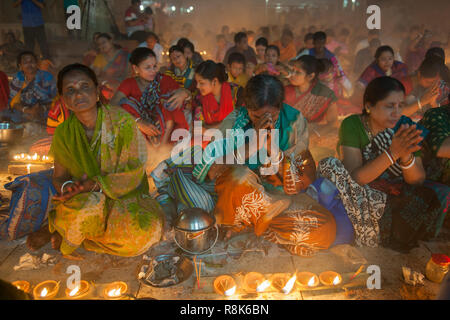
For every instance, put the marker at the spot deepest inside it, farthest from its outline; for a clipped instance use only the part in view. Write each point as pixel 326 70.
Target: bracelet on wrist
pixel 389 156
pixel 408 166
pixel 64 185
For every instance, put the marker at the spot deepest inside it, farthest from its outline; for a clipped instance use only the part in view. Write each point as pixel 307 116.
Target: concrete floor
pixel 264 257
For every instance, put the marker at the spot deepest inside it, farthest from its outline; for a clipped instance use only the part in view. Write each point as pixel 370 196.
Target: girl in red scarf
pixel 218 97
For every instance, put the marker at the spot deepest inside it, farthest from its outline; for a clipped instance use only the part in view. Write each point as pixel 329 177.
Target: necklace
pixel 367 127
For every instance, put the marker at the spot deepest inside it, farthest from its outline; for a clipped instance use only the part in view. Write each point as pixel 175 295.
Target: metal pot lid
pixel 194 219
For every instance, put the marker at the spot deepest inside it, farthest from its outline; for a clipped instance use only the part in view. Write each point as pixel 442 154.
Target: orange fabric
pixel 286 53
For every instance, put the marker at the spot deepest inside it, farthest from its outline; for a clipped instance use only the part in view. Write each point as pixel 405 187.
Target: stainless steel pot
pixel 195 231
pixel 10 133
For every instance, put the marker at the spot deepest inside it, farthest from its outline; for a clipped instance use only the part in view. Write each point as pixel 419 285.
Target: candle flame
pixel 336 280
pixel 28 168
pixel 114 293
pixel 311 282
pixel 289 285
pixel 44 292
pixel 230 291
pixel 35 157
pixel 74 291
pixel 263 286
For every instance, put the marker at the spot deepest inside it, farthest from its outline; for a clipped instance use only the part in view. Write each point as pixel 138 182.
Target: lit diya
pixel 46 290
pixel 307 279
pixel 79 292
pixel 283 282
pixel 22 285
pixel 115 290
pixel 330 278
pixel 256 282
pixel 225 285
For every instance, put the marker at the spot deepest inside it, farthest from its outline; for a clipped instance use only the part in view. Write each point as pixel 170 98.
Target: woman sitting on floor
pixel 32 91
pixel 181 69
pixel 381 174
pixel 110 65
pixel 267 197
pixel 437 153
pixel 217 97
pixel 107 208
pixel 154 99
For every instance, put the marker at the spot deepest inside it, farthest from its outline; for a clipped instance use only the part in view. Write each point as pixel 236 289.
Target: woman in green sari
pixel 100 157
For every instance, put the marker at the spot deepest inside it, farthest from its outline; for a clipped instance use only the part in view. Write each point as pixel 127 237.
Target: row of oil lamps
pixel 257 283
pixel 166 53
pixel 49 289
pixel 23 157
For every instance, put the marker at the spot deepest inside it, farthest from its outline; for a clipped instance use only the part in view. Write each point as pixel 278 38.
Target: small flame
pixel 74 291
pixel 230 291
pixel 263 286
pixel 311 282
pixel 44 292
pixel 336 280
pixel 28 168
pixel 22 156
pixel 35 157
pixel 114 293
pixel 289 285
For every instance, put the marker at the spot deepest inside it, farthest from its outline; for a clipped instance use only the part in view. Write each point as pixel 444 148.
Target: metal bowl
pixel 195 231
pixel 10 133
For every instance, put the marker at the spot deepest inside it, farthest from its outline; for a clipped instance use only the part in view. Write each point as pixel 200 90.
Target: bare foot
pixel 56 241
pixel 38 239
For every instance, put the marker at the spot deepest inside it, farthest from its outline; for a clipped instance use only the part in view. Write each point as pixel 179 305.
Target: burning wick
pixel 44 292
pixel 114 293
pixel 289 285
pixel 336 280
pixel 263 286
pixel 74 291
pixel 311 282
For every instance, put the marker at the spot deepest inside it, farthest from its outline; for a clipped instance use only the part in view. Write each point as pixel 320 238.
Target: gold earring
pixel 368 110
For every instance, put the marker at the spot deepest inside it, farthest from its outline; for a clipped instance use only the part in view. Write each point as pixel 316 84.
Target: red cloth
pixel 130 88
pixel 214 112
pixel 4 91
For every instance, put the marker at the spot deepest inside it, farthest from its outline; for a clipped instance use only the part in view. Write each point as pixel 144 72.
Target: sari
pixel 207 109
pixel 185 78
pixel 4 91
pixel 41 90
pixel 151 105
pixel 122 219
pixel 386 211
pixel 113 71
pixel 399 71
pixel 314 103
pixel 242 198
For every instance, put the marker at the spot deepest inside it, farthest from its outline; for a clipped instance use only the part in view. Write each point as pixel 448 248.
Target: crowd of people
pixel 384 122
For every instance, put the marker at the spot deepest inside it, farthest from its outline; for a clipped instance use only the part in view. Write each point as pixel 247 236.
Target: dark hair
pixel 239 36
pixel 382 49
pixel 308 36
pixel 182 42
pixel 75 67
pixel 379 88
pixel 104 35
pixel 25 53
pixel 135 1
pixel 148 10
pixel 140 54
pixel 175 48
pixel 263 90
pixel 435 52
pixel 310 65
pixel 152 34
pixel 236 57
pixel 431 67
pixel 189 45
pixel 320 35
pixel 324 65
pixel 210 70
pixel 274 47
pixel 262 42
